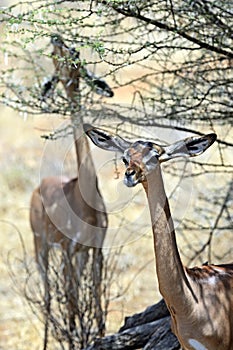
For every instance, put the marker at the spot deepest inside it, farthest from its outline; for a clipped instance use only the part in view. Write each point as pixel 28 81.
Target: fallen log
pixel 163 339
pixel 152 313
pixel 148 330
pixel 132 338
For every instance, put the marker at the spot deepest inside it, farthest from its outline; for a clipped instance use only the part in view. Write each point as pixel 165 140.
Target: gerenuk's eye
pixel 125 161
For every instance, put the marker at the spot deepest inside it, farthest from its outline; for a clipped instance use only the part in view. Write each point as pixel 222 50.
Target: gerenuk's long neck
pixel 173 283
pixel 82 149
pixel 86 171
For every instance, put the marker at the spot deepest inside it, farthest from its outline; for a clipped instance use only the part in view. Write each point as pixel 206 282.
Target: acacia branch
pixel 136 14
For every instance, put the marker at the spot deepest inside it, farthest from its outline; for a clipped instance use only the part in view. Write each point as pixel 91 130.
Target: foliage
pixel 181 51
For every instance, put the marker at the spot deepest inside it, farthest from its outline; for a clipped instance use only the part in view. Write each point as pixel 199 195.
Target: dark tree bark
pixel 150 330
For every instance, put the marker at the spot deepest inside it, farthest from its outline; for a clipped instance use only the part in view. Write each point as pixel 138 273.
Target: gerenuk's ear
pixel 105 139
pixel 190 147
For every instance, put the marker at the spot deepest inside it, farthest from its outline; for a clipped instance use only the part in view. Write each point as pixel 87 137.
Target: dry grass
pixel 17 326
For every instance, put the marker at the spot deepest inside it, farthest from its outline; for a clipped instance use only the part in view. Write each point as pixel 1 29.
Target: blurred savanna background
pixel 170 68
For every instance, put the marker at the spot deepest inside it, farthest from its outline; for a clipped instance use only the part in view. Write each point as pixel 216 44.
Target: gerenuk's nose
pixel 130 172
pixel 130 178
